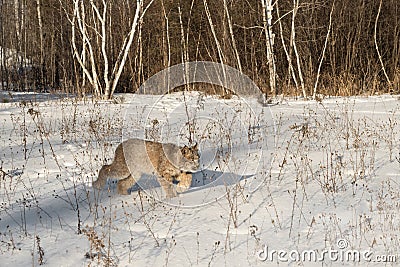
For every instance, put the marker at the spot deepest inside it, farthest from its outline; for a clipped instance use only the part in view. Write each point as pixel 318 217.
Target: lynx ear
pixel 184 149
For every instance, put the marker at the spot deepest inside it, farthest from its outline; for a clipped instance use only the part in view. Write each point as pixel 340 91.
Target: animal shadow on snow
pixel 201 180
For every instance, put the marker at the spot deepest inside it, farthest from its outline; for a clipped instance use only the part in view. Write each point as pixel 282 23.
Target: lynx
pixel 135 157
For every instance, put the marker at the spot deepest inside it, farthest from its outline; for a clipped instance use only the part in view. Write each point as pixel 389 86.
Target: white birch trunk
pixel 119 66
pixel 17 28
pixel 77 19
pixel 232 36
pixel 93 34
pixel 323 51
pixel 219 49
pixel 269 42
pixel 377 47
pixel 39 16
pixel 288 56
pixel 293 43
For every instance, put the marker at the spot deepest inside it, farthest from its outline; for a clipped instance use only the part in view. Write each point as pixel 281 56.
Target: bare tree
pixel 40 24
pixel 323 51
pixel 267 8
pixel 214 33
pixel 219 48
pixel 293 44
pixel 92 31
pixel 112 45
pixel 376 45
pixel 228 17
pixel 4 76
pixel 291 72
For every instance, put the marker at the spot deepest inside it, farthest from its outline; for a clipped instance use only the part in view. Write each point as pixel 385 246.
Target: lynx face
pixel 190 160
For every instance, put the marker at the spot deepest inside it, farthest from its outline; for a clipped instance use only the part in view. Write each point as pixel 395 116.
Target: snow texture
pixel 296 176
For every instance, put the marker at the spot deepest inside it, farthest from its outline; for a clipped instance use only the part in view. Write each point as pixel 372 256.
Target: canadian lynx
pixel 135 157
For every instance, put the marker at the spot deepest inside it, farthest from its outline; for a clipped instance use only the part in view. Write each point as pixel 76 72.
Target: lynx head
pixel 190 159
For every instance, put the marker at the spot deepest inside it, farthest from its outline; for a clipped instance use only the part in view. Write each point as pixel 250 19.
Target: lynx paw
pixel 184 182
pixel 181 188
pixel 122 189
pixel 171 193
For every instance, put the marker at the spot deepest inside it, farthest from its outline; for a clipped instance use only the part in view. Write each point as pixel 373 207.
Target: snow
pixel 296 176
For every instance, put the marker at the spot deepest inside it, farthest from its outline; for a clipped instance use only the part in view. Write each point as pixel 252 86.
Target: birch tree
pixel 267 8
pixel 294 46
pixel 377 47
pixel 40 24
pixel 19 17
pixel 90 25
pixel 323 51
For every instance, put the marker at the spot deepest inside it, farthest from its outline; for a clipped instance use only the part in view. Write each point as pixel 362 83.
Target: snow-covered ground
pixel 277 185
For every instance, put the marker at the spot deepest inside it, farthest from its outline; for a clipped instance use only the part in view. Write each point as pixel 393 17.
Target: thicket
pixel 338 47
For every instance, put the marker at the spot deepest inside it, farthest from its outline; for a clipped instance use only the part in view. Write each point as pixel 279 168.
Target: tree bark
pixel 269 42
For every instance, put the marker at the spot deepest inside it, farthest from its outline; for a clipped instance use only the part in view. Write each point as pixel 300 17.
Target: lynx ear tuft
pixel 184 149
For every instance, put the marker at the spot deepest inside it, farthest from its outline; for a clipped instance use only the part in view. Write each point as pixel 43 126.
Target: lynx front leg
pixel 124 185
pixel 185 180
pixel 102 178
pixel 166 184
pixel 116 170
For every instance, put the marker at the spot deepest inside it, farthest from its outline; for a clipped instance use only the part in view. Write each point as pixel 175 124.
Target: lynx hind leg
pixel 185 180
pixel 167 185
pixel 116 170
pixel 101 178
pixel 124 185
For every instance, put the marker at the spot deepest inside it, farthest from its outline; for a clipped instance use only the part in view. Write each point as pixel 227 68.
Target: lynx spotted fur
pixel 135 157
